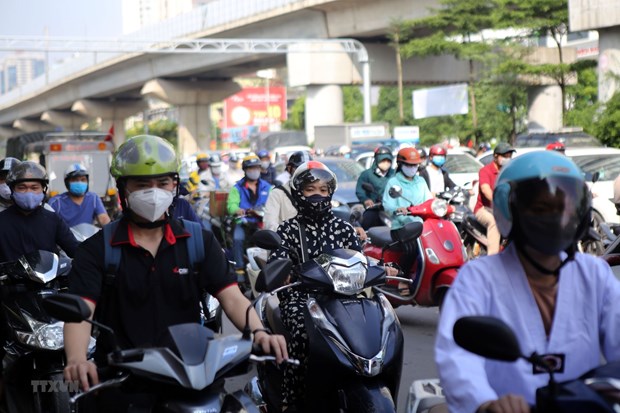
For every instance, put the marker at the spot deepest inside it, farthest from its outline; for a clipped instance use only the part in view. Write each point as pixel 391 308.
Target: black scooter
pixel 187 375
pixel 34 355
pixel 355 339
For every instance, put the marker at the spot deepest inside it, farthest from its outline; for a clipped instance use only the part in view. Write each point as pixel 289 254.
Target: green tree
pixel 582 97
pixel 353 103
pixel 454 29
pixel 297 115
pixel 163 128
pixel 538 19
pixel 607 128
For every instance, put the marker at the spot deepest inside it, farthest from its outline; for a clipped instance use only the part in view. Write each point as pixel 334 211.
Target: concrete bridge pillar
pixel 7 132
pixel 608 62
pixel 544 107
pixel 193 99
pixel 321 72
pixel 110 111
pixel 66 120
pixel 30 125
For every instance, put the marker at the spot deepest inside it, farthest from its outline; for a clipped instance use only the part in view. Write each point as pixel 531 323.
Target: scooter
pixel 355 346
pixel 431 259
pixel 34 358
pixel 185 376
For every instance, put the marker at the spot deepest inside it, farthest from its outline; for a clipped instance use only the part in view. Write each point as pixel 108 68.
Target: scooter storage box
pixel 217 203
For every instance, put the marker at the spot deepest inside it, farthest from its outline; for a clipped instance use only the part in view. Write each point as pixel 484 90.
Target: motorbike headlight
pixel 335 204
pixel 347 280
pixel 44 336
pixel 439 207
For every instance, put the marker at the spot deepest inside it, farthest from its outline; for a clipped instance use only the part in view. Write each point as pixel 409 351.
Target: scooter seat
pixel 380 236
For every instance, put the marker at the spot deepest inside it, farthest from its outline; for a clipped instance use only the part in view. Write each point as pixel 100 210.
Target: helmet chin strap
pixel 571 255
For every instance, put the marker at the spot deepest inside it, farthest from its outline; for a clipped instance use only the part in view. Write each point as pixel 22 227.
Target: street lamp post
pixel 267 74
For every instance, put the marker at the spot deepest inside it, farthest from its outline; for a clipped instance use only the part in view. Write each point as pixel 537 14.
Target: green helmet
pixel 144 155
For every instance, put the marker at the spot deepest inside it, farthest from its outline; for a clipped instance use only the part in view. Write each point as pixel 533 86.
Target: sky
pixel 87 18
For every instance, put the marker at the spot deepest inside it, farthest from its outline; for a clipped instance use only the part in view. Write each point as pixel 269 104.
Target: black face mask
pixel 314 205
pixel 546 233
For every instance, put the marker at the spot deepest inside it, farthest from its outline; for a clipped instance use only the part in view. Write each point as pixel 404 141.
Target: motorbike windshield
pixel 39 266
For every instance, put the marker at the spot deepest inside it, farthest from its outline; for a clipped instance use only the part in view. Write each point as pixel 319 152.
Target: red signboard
pixel 263 107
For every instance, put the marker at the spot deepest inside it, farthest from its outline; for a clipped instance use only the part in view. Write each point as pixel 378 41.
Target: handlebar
pixel 262 359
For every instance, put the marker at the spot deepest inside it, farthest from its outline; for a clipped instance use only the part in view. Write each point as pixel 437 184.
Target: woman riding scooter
pixel 313 231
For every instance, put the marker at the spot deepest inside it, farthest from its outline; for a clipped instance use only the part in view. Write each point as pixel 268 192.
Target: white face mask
pixel 252 175
pixel 409 171
pixel 215 170
pixel 265 164
pixel 150 203
pixel 503 161
pixel 5 192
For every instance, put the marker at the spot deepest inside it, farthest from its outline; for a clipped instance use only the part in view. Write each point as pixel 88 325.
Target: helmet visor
pixel 311 176
pixel 551 211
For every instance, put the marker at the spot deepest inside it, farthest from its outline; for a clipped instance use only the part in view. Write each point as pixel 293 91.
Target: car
pixel 570 137
pixel 462 166
pixel 281 153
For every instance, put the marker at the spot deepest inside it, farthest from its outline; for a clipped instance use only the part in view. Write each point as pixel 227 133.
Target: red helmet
pixel 437 150
pixel 556 146
pixel 409 155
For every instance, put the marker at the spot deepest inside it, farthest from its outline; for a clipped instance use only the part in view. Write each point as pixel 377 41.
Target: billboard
pixel 261 107
pixel 440 101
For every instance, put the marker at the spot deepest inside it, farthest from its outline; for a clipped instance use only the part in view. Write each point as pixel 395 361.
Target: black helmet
pixel 422 153
pixel 297 158
pixel 27 171
pixel 382 153
pixel 307 173
pixel 250 161
pixel 6 164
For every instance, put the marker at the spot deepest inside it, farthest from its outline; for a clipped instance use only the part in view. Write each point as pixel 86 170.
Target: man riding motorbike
pixel 562 304
pixel 436 177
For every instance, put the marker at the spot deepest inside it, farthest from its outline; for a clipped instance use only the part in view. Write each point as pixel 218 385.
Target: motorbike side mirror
pixel 273 275
pixel 395 191
pixel 368 187
pixel 267 240
pixel 488 337
pixel 66 307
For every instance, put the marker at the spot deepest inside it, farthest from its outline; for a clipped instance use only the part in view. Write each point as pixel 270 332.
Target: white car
pixel 463 167
pixel 605 161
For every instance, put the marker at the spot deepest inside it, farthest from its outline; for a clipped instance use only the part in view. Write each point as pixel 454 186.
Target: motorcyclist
pixel 5 192
pixel 213 179
pixel 152 288
pixel 437 178
pixel 375 179
pixel 279 206
pixel 248 194
pixel 484 204
pixel 78 205
pixel 26 225
pixel 312 185
pixel 195 177
pixel 561 304
pixel 415 190
pixel 267 171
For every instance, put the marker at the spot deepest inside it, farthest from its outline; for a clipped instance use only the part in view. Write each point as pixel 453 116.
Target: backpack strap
pixel 288 194
pixel 195 246
pixel 112 255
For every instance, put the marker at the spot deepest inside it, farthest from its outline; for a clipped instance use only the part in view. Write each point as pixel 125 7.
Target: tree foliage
pixel 607 129
pixel 297 115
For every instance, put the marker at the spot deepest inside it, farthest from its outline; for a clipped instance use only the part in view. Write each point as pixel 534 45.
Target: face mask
pixel 503 161
pixel 252 175
pixel 215 170
pixel 77 188
pixel 314 205
pixel 409 171
pixel 546 233
pixel 28 201
pixel 438 161
pixel 150 203
pixel 5 191
pixel 385 165
pixel 265 164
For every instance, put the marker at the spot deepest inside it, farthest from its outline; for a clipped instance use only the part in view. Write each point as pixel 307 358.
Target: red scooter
pixel 432 251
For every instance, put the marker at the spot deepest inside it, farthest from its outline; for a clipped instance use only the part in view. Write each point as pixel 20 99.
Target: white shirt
pixel 283 177
pixel 585 321
pixel 278 208
pixel 435 176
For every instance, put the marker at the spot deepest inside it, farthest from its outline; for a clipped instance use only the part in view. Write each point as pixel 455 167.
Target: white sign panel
pixel 440 101
pixel 407 133
pixel 361 132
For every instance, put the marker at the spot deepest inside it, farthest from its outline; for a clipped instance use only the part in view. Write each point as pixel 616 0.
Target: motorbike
pixel 34 354
pixel 458 198
pixel 187 375
pixel 430 259
pixel 83 231
pixel 597 391
pixel 355 346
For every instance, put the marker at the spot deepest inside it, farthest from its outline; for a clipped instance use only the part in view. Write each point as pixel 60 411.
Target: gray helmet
pixel 27 171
